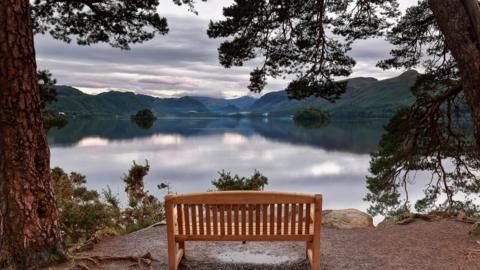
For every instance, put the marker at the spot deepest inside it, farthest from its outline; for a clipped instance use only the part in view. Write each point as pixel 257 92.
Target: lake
pixel 188 153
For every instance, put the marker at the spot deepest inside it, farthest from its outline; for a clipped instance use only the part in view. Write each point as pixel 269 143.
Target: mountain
pixel 364 97
pixel 74 102
pixel 221 105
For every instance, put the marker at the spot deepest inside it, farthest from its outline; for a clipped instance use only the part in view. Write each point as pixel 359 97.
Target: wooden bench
pixel 243 216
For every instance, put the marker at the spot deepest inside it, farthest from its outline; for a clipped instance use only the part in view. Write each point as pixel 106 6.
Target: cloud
pixel 184 62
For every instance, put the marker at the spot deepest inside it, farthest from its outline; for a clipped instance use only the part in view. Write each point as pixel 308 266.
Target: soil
pixel 444 244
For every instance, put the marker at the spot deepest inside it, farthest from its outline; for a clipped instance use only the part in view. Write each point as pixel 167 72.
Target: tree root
pixel 412 218
pixel 472 254
pixel 140 262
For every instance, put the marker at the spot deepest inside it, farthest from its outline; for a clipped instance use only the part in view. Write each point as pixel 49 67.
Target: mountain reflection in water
pixel 187 153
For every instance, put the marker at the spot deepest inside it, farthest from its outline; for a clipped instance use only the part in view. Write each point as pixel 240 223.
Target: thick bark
pixel 458 21
pixel 29 228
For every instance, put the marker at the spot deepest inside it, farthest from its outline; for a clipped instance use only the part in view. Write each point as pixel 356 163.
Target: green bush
pixel 81 210
pixel 86 214
pixel 144 209
pixel 226 181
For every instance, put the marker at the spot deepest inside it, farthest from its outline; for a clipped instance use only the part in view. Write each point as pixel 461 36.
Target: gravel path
pixel 419 245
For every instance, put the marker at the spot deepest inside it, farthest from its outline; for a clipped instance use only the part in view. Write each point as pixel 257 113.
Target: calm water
pixel 188 153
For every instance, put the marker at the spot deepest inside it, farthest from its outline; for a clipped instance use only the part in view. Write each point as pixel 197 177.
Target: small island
pixel 144 118
pixel 311 118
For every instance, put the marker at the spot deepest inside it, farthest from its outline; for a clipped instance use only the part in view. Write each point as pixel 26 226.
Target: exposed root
pixel 472 254
pixel 412 218
pixel 139 262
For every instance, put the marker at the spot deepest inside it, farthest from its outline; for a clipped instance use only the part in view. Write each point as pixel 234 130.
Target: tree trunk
pixel 459 22
pixel 29 227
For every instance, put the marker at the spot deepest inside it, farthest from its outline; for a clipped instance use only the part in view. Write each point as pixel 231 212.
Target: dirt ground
pixel 419 245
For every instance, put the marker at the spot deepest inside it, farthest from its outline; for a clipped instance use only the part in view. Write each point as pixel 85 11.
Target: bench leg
pixel 315 262
pixel 181 246
pixel 172 255
pixel 316 233
pixel 308 246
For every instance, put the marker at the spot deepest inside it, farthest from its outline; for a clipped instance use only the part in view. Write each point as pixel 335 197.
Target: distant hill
pixel 365 97
pixel 226 105
pixel 74 102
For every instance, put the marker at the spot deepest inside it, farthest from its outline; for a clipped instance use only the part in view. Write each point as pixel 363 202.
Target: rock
pixel 347 219
pixel 461 216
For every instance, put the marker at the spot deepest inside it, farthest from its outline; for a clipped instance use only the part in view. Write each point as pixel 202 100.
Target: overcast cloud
pixel 184 62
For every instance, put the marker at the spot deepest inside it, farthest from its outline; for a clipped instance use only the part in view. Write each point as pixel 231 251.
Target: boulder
pixel 347 219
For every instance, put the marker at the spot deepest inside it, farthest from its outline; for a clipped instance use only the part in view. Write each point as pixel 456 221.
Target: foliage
pixel 143 209
pixel 475 231
pixel 430 135
pixel 226 181
pixel 85 213
pixel 46 84
pixel 308 38
pixel 312 38
pixel 51 120
pixel 311 118
pixel 454 183
pixel 82 211
pixel 118 23
pixel 48 94
pixel 144 118
pixel 144 114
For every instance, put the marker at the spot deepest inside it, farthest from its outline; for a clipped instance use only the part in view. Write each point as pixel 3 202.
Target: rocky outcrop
pixel 347 219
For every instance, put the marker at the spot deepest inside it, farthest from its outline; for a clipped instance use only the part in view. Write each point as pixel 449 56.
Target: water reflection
pixel 188 153
pixel 350 136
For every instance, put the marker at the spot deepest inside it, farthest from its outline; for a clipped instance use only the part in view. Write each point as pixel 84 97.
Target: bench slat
pixel 236 220
pixel 300 218
pixel 279 219
pixel 307 219
pixel 257 219
pixel 286 219
pixel 272 218
pixel 264 219
pixel 247 227
pixel 187 218
pixel 250 219
pixel 208 220
pixel 180 218
pixel 249 238
pixel 193 210
pixel 228 209
pixel 215 219
pixel 200 219
pixel 244 219
pixel 293 220
pixel 221 211
pixel 240 197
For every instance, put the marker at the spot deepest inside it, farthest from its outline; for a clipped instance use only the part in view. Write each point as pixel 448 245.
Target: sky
pixel 183 62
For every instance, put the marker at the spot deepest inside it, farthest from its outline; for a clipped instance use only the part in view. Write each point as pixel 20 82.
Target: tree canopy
pixel 118 23
pixel 311 40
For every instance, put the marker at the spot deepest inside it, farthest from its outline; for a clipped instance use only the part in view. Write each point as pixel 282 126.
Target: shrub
pixel 144 209
pixel 86 214
pixel 226 181
pixel 82 211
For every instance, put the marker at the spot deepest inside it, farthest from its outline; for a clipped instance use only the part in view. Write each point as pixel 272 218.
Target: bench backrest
pixel 243 213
